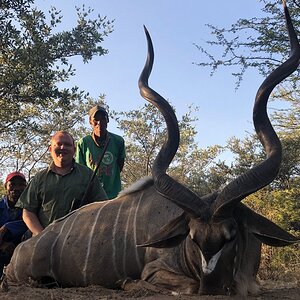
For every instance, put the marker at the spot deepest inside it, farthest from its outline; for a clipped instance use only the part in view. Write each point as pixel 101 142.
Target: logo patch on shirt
pixel 108 158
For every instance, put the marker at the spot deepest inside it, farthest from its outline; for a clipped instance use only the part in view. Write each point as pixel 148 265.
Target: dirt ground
pixel 270 290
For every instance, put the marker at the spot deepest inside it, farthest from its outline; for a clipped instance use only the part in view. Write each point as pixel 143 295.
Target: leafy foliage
pixel 34 63
pixel 258 43
pixel 2 189
pixel 144 132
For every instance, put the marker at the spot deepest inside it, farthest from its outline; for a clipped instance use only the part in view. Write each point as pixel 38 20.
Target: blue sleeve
pixel 16 228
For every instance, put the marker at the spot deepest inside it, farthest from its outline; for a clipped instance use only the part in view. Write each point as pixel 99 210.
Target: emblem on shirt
pixel 108 158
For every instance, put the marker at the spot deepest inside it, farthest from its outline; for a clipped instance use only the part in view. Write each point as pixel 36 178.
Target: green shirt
pixel 50 195
pixel 88 153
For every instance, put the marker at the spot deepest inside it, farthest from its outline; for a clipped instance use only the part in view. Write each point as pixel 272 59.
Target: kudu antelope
pixel 187 243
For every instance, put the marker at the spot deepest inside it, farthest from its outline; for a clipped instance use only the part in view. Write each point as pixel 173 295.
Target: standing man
pixel 52 192
pixel 90 148
pixel 12 226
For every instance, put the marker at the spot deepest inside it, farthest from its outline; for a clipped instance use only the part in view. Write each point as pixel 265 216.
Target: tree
pixel 287 123
pixel 144 132
pixel 249 152
pixel 26 148
pixel 34 59
pixel 282 207
pixel 260 43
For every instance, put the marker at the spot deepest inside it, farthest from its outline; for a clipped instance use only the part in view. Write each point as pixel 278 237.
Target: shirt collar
pixel 102 142
pixel 52 169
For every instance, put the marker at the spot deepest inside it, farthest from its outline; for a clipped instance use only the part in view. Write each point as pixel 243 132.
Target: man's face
pixel 14 189
pixel 99 123
pixel 62 149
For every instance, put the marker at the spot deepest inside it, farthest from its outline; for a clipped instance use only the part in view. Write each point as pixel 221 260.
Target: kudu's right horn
pixel 264 173
pixel 164 184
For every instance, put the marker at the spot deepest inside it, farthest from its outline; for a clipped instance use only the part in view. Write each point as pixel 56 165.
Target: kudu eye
pixel 229 232
pixel 232 235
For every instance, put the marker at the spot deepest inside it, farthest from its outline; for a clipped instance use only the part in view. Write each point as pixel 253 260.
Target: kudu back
pixel 158 230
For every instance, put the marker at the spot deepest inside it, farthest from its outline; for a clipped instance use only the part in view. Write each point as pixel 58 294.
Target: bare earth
pixel 270 290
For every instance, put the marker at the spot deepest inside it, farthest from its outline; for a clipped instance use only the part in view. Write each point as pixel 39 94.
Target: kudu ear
pixel 265 230
pixel 170 235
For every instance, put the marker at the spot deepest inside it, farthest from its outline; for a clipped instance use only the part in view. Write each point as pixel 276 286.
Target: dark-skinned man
pixel 91 147
pixel 12 226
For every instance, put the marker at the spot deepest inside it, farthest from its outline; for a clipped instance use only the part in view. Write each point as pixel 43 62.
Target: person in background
pixel 12 226
pixel 90 148
pixel 54 191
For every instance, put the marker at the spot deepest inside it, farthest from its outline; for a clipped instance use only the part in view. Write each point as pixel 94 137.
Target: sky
pixel 174 27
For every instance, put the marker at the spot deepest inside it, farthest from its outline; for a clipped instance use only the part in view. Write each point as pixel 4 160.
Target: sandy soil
pixel 270 290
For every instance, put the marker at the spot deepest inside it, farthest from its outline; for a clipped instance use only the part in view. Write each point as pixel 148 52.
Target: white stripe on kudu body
pixel 124 252
pixel 34 249
pixel 114 245
pixel 66 235
pixel 139 263
pixel 91 235
pixel 127 234
pixel 54 244
pixel 17 256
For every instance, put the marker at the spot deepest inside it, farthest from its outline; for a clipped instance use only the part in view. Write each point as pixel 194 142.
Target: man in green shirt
pixel 53 191
pixel 90 148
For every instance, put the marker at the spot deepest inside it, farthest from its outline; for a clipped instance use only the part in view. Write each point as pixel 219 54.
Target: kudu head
pixel 217 224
